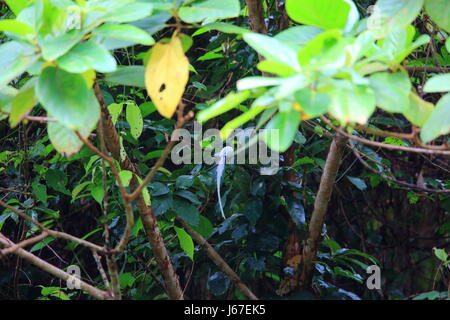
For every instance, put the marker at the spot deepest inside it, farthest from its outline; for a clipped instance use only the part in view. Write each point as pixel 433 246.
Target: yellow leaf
pixel 89 76
pixel 166 76
pixel 303 114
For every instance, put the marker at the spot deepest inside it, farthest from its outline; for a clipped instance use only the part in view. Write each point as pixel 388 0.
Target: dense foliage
pixel 354 95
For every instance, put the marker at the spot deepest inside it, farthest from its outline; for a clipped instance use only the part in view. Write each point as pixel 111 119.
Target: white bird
pixel 222 156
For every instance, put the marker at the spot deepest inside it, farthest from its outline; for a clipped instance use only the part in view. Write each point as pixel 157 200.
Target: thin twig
pixel 384 145
pixel 359 155
pixel 219 261
pixel 47 267
pixel 54 233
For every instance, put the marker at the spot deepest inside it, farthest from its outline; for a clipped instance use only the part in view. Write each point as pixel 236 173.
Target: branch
pixel 54 233
pixel 426 69
pixel 383 133
pixel 256 15
pixel 383 145
pixel 160 162
pixel 219 261
pixel 101 270
pixel 125 195
pixel 327 181
pixel 148 219
pixel 359 155
pixel 47 267
pixel 23 244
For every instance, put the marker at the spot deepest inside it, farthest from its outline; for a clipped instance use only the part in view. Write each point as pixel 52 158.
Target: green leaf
pixel 432 295
pixel 125 32
pixel 22 104
pixel 186 211
pixel 207 11
pixel 15 58
pixel 439 11
pixel 256 82
pixel 352 103
pixel 324 51
pixel 325 14
pixel 159 189
pixel 273 49
pixel 79 188
pixel 232 100
pixel 97 193
pixel 126 176
pixel 147 108
pixel 439 83
pixel 394 141
pixel 447 44
pixel 55 47
pixel 312 103
pixel 67 98
pixel 14 26
pixel 115 109
pixel 358 183
pixel 184 181
pixel 298 36
pixel 145 193
pixel 441 254
pixel 274 67
pixel 126 280
pixel 40 192
pixel 222 27
pixel 439 121
pixel 85 56
pixel 205 227
pixel 17 6
pixel 240 120
pixel 134 119
pixel 296 211
pixel 186 242
pixel 65 139
pixel 281 130
pixel 130 12
pixel 391 15
pixel 128 76
pixel 7 95
pixel 391 90
pixel 57 180
pixel 42 244
pixel 419 110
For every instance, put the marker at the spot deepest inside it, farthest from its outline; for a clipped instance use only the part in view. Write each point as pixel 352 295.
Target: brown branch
pixel 101 270
pixel 47 267
pixel 149 221
pixel 383 133
pixel 426 69
pixel 160 162
pixel 23 244
pixel 54 233
pixel 359 155
pixel 108 159
pixel 384 145
pixel 13 190
pixel 114 274
pixel 125 195
pixel 323 196
pixel 219 261
pixel 256 15
pixel 40 119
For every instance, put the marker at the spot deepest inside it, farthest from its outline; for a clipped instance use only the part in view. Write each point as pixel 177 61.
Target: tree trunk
pixel 149 221
pixel 327 181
